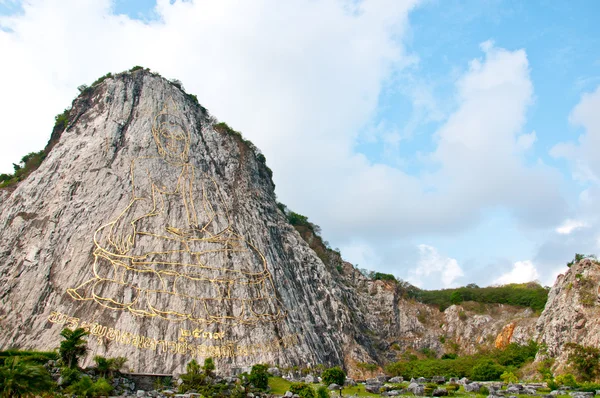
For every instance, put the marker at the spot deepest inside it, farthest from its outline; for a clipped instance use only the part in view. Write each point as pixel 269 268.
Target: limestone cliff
pixel 158 230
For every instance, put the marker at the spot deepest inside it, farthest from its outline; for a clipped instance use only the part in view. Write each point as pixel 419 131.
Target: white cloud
pixel 434 270
pixel 583 155
pixel 525 141
pixel 569 226
pixel 522 271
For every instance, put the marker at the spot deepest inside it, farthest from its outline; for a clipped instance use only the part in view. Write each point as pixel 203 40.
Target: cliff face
pixel 390 325
pixel 572 313
pixel 158 230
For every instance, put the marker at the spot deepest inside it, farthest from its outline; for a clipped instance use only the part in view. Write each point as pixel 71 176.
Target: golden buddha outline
pixel 158 257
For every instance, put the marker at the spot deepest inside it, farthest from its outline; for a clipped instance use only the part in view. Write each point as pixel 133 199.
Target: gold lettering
pixel 197 332
pixel 113 334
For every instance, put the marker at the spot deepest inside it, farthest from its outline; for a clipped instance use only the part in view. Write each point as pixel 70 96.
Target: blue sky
pixel 446 142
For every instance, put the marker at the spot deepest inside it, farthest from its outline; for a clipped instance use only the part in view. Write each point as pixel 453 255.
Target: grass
pixel 358 390
pixel 279 386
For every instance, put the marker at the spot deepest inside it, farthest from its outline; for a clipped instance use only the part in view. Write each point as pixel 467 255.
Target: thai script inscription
pixel 227 349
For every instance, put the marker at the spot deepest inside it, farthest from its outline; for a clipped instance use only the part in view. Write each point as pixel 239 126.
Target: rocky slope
pixel 572 314
pixel 157 228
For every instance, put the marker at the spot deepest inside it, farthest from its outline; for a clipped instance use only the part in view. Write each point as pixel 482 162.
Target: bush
pixel 566 380
pixel 259 377
pixel 578 257
pixel 102 78
pixel 87 388
pixel 487 371
pixel 108 366
pixel 334 375
pixel 19 378
pixel 379 276
pixel 484 391
pixel 509 377
pixel 585 360
pixel 34 357
pixel 303 390
pixel 61 120
pixel 69 376
pixel 452 387
pixel 322 392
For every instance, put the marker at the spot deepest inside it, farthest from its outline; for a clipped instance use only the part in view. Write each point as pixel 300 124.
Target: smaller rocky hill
pixel 572 314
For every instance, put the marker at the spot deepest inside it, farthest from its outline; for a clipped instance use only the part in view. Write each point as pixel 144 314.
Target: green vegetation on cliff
pixel 529 294
pixel 482 367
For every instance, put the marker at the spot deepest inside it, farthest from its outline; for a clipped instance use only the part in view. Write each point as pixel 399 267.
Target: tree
pixel 73 347
pixel 259 376
pixel 334 375
pixel 19 378
pixel 585 360
pixel 456 297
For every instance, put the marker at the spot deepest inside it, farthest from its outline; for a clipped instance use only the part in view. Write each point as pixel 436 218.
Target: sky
pixel 446 142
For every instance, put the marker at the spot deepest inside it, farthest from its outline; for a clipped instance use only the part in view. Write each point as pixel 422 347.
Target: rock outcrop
pixel 572 314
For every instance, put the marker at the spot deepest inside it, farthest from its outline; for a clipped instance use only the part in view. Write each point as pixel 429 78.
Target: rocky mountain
pixel 157 228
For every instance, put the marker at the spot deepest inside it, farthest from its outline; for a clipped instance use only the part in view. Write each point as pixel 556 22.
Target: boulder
pixel 440 392
pixel 416 389
pixel 334 387
pixel 372 381
pixel 396 380
pixel 438 379
pixel 512 390
pixel 288 394
pixel 349 382
pixel 393 393
pixel 373 388
pixel 382 378
pixel 472 387
pixel 422 380
pixel 275 372
pixel 310 379
pixel 140 393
